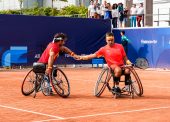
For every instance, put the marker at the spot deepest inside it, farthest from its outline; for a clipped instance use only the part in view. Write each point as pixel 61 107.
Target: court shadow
pixel 143 51
pixel 80 96
pixel 41 96
pixel 155 97
pixel 102 97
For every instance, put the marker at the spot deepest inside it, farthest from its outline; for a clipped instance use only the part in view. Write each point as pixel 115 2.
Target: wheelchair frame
pixel 36 80
pixel 105 76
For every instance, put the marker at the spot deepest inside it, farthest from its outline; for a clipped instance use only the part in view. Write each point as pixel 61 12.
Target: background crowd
pixel 118 13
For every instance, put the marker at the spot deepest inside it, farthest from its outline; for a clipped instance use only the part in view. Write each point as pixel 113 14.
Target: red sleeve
pixel 100 52
pixel 54 49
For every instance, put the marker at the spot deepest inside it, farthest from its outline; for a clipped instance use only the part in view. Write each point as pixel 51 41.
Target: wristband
pixel 49 67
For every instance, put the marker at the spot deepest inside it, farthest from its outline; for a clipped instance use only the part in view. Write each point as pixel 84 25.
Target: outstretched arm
pixel 87 57
pixel 97 54
pixel 68 51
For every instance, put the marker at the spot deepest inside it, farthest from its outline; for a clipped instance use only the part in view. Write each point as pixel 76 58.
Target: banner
pixel 150 43
pixel 24 38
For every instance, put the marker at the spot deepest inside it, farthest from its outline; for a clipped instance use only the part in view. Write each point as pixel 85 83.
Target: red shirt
pixel 52 47
pixel 113 55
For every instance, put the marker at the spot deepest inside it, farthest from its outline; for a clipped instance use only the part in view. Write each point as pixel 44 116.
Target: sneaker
pixel 116 90
pixel 126 88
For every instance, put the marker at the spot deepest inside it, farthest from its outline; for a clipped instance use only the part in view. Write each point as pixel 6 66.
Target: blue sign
pixel 14 55
pixel 28 36
pixel 150 43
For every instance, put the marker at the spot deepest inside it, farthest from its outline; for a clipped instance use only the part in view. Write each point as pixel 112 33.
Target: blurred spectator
pixel 133 12
pixel 121 14
pixel 98 10
pixel 96 15
pixel 103 9
pixel 125 18
pixel 115 15
pixel 108 14
pixel 140 13
pixel 120 7
pixel 91 9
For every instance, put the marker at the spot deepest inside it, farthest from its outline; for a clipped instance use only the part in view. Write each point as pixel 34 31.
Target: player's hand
pixel 48 71
pixel 128 62
pixel 76 57
pixel 83 58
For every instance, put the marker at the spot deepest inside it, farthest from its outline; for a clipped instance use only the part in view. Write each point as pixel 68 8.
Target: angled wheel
pixel 101 82
pixel 60 83
pixel 136 83
pixel 140 83
pixel 27 87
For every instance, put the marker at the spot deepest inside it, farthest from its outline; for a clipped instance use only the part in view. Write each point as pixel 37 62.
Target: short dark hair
pixel 109 34
pixel 114 6
pixel 59 37
pixel 123 32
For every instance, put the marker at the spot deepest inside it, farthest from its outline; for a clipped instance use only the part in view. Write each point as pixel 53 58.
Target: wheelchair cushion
pixel 39 67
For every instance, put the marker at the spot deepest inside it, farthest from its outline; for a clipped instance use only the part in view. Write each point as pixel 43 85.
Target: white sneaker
pixel 126 88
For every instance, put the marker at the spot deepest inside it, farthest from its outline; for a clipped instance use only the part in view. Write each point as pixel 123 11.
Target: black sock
pixel 127 76
pixel 116 79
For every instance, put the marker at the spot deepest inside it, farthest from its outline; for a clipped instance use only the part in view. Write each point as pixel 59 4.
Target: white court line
pixel 102 114
pixel 33 112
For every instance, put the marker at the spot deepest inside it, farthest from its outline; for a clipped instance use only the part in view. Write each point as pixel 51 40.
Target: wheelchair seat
pixel 39 67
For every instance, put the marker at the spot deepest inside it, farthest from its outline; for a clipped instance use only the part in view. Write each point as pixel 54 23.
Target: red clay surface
pixel 82 105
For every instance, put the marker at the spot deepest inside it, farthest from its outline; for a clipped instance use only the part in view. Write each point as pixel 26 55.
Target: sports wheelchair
pixel 36 80
pixel 135 85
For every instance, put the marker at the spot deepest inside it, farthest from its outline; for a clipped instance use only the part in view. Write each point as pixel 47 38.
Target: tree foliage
pixel 71 11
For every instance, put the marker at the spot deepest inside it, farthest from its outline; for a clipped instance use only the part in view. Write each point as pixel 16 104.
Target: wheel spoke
pixel 136 83
pixel 60 83
pixel 28 83
pixel 101 82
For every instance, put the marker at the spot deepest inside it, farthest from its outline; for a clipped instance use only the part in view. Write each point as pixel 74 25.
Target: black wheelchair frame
pixel 135 85
pixel 37 80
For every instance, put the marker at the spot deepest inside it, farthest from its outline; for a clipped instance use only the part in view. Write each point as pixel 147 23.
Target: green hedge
pixel 71 11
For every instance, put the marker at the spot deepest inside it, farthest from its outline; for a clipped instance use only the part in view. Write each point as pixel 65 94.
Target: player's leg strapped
pixel 116 79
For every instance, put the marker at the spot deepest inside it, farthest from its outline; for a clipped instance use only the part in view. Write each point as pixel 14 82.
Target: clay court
pixel 82 105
